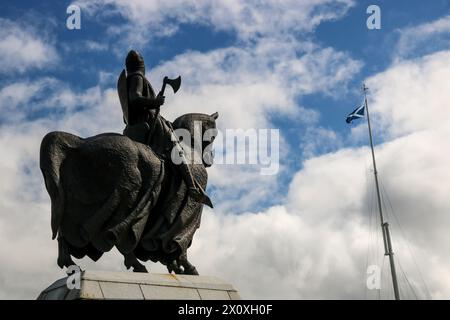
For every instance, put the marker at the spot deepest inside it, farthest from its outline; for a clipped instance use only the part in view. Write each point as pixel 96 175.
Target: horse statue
pixel 109 190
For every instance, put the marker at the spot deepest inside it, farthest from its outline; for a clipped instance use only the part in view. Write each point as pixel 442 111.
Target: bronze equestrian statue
pixel 124 190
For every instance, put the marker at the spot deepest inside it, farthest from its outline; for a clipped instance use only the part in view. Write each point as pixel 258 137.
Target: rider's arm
pixel 135 94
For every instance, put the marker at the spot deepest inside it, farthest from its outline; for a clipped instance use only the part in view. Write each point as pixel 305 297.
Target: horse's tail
pixel 54 148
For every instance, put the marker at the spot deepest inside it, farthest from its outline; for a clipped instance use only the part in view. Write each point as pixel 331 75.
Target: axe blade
pixel 174 83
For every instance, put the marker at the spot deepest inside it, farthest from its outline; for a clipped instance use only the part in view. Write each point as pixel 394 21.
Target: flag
pixel 356 114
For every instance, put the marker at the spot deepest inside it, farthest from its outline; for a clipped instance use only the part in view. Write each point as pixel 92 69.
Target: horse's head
pixel 208 131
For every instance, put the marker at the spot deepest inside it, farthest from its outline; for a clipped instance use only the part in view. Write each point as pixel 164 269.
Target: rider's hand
pixel 160 99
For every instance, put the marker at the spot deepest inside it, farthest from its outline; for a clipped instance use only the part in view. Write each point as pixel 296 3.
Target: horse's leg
pixel 175 267
pixel 64 258
pixel 188 268
pixel 132 261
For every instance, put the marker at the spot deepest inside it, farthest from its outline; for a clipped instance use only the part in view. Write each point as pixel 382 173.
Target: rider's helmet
pixel 134 62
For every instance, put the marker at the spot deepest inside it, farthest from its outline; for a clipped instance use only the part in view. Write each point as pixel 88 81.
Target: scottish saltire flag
pixel 356 114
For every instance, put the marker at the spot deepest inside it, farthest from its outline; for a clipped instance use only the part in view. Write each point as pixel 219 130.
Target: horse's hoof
pixel 173 267
pixel 191 271
pixel 65 262
pixel 140 268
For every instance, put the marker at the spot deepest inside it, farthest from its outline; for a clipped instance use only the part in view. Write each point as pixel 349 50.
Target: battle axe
pixel 174 83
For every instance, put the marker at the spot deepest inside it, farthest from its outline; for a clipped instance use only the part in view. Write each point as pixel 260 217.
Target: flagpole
pixel 384 225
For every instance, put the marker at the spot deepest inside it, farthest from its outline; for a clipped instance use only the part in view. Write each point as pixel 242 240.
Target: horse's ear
pixel 215 115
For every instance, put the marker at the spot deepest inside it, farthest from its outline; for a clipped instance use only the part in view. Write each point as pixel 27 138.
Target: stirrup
pixel 200 196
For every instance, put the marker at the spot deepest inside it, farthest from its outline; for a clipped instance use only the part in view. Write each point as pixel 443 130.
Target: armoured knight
pixel 144 123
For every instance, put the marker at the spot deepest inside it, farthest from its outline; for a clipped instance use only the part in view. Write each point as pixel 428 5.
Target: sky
pixel 306 232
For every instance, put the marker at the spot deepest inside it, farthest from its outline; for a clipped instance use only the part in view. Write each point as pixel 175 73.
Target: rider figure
pixel 143 107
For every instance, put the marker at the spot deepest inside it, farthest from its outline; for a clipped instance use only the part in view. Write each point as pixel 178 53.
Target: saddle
pixel 160 140
pixel 138 132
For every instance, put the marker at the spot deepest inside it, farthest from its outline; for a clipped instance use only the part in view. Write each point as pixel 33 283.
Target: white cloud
pixel 276 254
pixel 247 84
pixel 15 95
pixel 248 19
pixel 21 48
pixel 95 45
pixel 319 140
pixel 412 95
pixel 424 38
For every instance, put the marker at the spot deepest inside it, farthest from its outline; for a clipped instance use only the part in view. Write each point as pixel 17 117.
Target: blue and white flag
pixel 356 114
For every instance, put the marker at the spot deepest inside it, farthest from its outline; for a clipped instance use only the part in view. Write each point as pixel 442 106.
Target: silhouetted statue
pixel 124 190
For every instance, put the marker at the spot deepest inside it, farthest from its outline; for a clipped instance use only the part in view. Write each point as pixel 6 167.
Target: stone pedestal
pixel 99 285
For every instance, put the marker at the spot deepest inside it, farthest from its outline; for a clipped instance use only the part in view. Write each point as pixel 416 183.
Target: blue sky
pixel 296 66
pixel 348 33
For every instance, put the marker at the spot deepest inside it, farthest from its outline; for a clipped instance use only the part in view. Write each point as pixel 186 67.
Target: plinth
pixel 100 285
